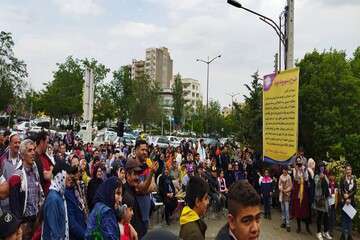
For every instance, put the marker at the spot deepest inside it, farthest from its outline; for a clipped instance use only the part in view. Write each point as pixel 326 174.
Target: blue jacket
pixel 77 221
pixel 54 217
pixel 108 223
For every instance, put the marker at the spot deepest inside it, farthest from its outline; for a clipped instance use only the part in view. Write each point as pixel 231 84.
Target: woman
pixel 320 203
pixel 167 193
pixel 94 183
pixel 347 193
pixel 299 197
pixel 56 220
pixel 102 219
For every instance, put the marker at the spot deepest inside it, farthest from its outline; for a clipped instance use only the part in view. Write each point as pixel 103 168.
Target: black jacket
pixel 223 234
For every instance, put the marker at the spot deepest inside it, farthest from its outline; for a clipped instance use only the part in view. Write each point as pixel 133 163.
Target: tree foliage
pixel 248 116
pixel 329 104
pixel 178 100
pixel 12 72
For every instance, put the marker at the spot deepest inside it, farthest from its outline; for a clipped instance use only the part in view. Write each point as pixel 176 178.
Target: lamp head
pixel 234 3
pixel 219 55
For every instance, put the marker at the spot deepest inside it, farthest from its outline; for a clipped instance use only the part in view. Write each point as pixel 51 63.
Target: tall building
pixel 159 66
pixel 137 68
pixel 191 91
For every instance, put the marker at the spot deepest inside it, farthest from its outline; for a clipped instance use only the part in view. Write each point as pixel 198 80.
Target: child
pixel 191 224
pixel 124 215
pixel 265 183
pixel 285 187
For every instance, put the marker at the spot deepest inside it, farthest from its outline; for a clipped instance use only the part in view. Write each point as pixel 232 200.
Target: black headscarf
pixel 106 192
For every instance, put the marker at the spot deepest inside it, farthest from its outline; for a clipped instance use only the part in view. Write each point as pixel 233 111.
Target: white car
pixel 23 127
pixel 174 141
pixel 161 141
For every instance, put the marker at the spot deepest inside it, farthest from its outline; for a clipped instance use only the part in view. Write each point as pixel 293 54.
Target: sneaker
pixel 288 229
pixel 283 225
pixel 319 236
pixel 327 236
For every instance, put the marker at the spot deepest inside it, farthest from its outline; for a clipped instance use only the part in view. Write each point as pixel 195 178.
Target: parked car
pixel 161 141
pixel 174 141
pixel 22 127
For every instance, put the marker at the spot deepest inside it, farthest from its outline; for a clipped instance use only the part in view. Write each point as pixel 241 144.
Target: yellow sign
pixel 280 115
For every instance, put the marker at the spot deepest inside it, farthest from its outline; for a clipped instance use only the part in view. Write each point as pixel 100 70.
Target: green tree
pixel 329 104
pixel 122 92
pixel 248 116
pixel 147 107
pixel 12 72
pixel 63 96
pixel 355 63
pixel 178 100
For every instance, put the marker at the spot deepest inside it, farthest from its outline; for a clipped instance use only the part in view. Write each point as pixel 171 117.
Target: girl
pixel 265 183
pixel 102 219
pixel 124 215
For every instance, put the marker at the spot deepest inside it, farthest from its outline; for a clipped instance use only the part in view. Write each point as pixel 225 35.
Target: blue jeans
pixel 346 224
pixel 285 215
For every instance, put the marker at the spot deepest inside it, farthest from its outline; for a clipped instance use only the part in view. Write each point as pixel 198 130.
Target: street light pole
pixel 207 79
pixel 287 38
pixel 232 95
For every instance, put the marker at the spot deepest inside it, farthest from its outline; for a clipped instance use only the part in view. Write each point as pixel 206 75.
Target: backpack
pixel 96 234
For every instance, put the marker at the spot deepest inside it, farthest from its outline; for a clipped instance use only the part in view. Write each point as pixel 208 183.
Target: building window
pixel 193 87
pixel 193 94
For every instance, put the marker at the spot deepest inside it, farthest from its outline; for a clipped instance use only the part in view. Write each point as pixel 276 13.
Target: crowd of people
pixel 52 188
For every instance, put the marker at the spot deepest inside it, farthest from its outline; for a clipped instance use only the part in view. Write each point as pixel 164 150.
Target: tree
pixel 122 92
pixel 178 100
pixel 12 72
pixel 329 104
pixel 355 63
pixel 63 96
pixel 249 115
pixel 147 107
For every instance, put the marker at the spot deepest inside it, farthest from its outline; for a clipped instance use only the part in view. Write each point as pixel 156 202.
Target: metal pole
pixel 290 35
pixel 279 66
pixel 207 93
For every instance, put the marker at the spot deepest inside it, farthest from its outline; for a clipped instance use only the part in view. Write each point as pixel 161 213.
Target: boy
pixel 244 213
pixel 192 227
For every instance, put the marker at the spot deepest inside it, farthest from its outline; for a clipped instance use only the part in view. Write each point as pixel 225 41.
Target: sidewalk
pixel 270 229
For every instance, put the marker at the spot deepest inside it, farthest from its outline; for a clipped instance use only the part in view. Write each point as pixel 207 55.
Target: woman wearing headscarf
pixel 56 222
pixel 94 183
pixel 102 220
pixel 300 197
pixel 167 193
pixel 321 204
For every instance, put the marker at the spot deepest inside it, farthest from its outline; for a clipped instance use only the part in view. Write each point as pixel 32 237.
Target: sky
pixel 116 31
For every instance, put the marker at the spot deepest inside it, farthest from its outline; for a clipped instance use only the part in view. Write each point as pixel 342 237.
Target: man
pixel 11 159
pixel 244 215
pixel 61 156
pixel 4 141
pixel 192 227
pixel 133 169
pixel 10 162
pixel 43 162
pixel 145 186
pixel 26 194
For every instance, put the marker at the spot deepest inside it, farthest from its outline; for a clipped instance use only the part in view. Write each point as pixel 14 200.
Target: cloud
pixel 80 7
pixel 135 29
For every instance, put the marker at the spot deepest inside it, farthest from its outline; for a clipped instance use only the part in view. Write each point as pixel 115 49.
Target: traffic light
pixel 120 128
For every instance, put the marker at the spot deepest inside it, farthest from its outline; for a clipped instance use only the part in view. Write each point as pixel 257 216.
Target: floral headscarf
pixel 58 184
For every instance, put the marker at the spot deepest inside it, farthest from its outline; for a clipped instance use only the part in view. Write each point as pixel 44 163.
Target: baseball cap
pixel 8 224
pixel 133 164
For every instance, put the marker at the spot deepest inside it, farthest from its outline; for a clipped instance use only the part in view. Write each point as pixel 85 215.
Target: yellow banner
pixel 280 115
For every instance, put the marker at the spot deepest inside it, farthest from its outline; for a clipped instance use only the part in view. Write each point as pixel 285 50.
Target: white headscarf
pixel 58 184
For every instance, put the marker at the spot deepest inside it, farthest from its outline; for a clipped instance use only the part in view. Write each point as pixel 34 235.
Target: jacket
pixel 77 221
pixel 19 191
pixel 191 226
pixel 223 234
pixel 54 217
pixel 108 223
